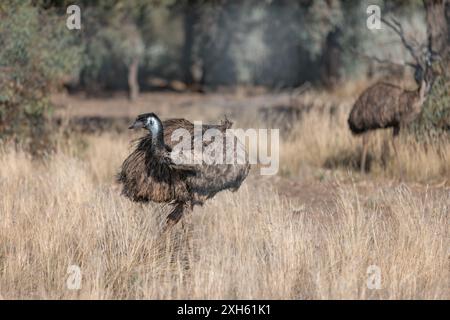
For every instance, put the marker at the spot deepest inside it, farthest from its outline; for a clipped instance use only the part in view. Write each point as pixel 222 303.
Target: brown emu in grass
pixel 385 105
pixel 149 173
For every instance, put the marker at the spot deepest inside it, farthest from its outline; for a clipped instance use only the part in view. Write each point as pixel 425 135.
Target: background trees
pixel 275 43
pixel 200 45
pixel 435 118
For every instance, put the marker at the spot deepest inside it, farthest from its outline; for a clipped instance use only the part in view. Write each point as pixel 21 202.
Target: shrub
pixel 37 54
pixel 434 121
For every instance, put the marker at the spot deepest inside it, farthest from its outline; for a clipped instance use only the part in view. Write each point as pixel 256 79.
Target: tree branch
pixel 382 61
pixel 396 26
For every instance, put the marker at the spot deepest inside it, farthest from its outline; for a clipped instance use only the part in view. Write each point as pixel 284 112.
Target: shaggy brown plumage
pixel 149 174
pixel 385 105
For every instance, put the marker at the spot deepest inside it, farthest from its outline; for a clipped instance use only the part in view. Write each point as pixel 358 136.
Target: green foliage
pixel 434 119
pixel 37 53
pixel 321 18
pixel 115 35
pixel 113 46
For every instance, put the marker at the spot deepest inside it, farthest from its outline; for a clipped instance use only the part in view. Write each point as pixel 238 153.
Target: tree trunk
pixel 331 61
pixel 437 29
pixel 191 62
pixel 133 84
pixel 189 22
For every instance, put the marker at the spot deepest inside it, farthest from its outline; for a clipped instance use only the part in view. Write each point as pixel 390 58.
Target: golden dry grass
pixel 255 243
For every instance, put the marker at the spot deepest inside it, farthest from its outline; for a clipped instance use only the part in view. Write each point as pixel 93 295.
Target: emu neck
pixel 422 92
pixel 157 139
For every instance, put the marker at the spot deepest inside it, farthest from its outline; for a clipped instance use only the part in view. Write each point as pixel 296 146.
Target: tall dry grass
pixel 66 210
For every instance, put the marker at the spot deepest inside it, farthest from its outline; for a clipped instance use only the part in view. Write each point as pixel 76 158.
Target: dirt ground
pixel 168 105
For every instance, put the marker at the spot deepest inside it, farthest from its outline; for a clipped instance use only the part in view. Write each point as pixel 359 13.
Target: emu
pixel 149 174
pixel 386 105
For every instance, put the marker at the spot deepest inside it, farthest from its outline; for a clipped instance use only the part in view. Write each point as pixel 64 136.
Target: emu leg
pixel 395 132
pixel 364 152
pixel 385 152
pixel 176 214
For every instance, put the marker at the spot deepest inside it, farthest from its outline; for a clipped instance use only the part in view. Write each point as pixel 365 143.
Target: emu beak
pixel 138 124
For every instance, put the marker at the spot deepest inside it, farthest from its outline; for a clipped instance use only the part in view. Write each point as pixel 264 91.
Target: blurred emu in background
pixel 385 105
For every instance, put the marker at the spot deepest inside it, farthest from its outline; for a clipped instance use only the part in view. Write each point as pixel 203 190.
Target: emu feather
pixel 148 173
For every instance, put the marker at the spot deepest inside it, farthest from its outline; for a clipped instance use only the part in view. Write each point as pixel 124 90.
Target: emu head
pixel 427 70
pixel 149 121
pixel 422 54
